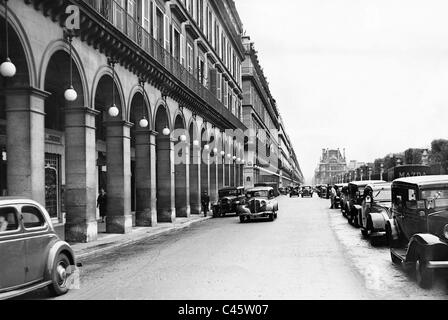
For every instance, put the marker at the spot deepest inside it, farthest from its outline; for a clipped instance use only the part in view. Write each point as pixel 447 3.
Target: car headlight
pixel 445 231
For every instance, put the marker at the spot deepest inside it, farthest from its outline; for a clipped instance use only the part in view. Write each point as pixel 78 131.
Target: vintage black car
pixel 344 200
pixel 283 191
pixel 260 203
pixel 336 200
pixel 229 199
pixel 418 230
pixel 355 198
pixel 295 192
pixel 376 211
pixel 307 191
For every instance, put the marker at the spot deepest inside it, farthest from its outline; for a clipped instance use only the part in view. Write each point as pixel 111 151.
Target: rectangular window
pixel 218 86
pixel 146 14
pixel 189 58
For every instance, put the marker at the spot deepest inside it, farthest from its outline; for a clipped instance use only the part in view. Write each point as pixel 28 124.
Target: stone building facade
pixel 332 164
pixel 272 160
pixel 163 66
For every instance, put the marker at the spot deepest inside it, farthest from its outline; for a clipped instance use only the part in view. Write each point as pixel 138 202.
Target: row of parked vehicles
pixel 250 204
pixel 410 215
pixel 32 256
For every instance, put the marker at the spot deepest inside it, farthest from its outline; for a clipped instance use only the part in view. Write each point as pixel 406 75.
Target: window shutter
pixel 166 24
pixel 182 49
pixel 154 20
pixel 213 81
pixel 218 86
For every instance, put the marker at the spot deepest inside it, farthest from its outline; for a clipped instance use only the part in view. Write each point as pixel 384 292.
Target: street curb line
pixel 140 238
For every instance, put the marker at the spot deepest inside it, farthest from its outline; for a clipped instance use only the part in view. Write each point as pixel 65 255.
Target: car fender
pixel 395 233
pixel 242 210
pixel 56 248
pixel 429 245
pixel 378 219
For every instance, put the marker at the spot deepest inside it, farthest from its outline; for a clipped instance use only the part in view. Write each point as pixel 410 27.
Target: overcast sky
pixel 370 76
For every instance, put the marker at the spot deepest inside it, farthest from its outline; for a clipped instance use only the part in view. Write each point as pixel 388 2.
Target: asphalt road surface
pixel 309 252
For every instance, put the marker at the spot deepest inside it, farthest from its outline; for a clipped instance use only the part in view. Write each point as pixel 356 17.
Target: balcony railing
pixel 128 25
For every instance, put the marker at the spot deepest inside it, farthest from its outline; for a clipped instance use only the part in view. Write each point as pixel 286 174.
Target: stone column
pixel 205 173
pixel 221 168
pixel 145 180
pixel 182 181
pixel 80 174
pixel 214 180
pixel 232 174
pixel 166 206
pixel 195 178
pixel 119 218
pixel 25 130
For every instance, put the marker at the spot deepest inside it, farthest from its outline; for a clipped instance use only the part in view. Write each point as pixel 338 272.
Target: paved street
pixel 310 252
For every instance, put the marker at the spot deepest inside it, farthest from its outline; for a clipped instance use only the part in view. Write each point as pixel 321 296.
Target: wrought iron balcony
pixel 128 25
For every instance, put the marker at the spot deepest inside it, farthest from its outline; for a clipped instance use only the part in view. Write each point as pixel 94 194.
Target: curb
pixel 103 248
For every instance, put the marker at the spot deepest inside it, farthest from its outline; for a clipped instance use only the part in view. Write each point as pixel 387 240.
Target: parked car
pixel 355 198
pixel 283 191
pixel 32 255
pixel 418 230
pixel 260 203
pixel 344 200
pixel 376 211
pixel 336 201
pixel 294 192
pixel 307 191
pixel 229 199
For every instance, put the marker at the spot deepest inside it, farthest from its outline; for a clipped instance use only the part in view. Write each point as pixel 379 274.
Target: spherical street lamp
pixel 114 111
pixel 196 143
pixel 70 94
pixel 206 147
pixel 8 69
pixel 144 123
pixel 166 131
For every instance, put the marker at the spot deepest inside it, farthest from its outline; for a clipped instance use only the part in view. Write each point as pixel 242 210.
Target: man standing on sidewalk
pixel 205 200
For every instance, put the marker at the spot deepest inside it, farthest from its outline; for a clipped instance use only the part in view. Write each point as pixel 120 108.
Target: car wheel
pixel 242 219
pixel 393 243
pixel 355 221
pixel 394 259
pixel 59 276
pixel 423 275
pixel 271 217
pixel 365 232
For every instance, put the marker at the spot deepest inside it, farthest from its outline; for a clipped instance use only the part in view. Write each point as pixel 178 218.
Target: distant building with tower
pixel 332 163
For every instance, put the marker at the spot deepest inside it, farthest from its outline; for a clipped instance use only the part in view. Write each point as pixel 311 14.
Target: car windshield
pixel 227 193
pixel 258 194
pixel 383 195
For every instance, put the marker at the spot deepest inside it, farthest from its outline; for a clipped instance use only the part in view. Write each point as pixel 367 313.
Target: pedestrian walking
pixel 333 196
pixel 205 200
pixel 102 204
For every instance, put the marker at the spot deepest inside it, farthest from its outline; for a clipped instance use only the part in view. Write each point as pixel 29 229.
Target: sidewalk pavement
pixel 107 242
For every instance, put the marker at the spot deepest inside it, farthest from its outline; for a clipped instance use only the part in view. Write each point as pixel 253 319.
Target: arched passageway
pixel 114 148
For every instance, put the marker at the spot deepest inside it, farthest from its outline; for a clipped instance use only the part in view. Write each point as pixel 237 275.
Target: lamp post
pixel 7 68
pixel 70 94
pixel 113 110
pixel 143 121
